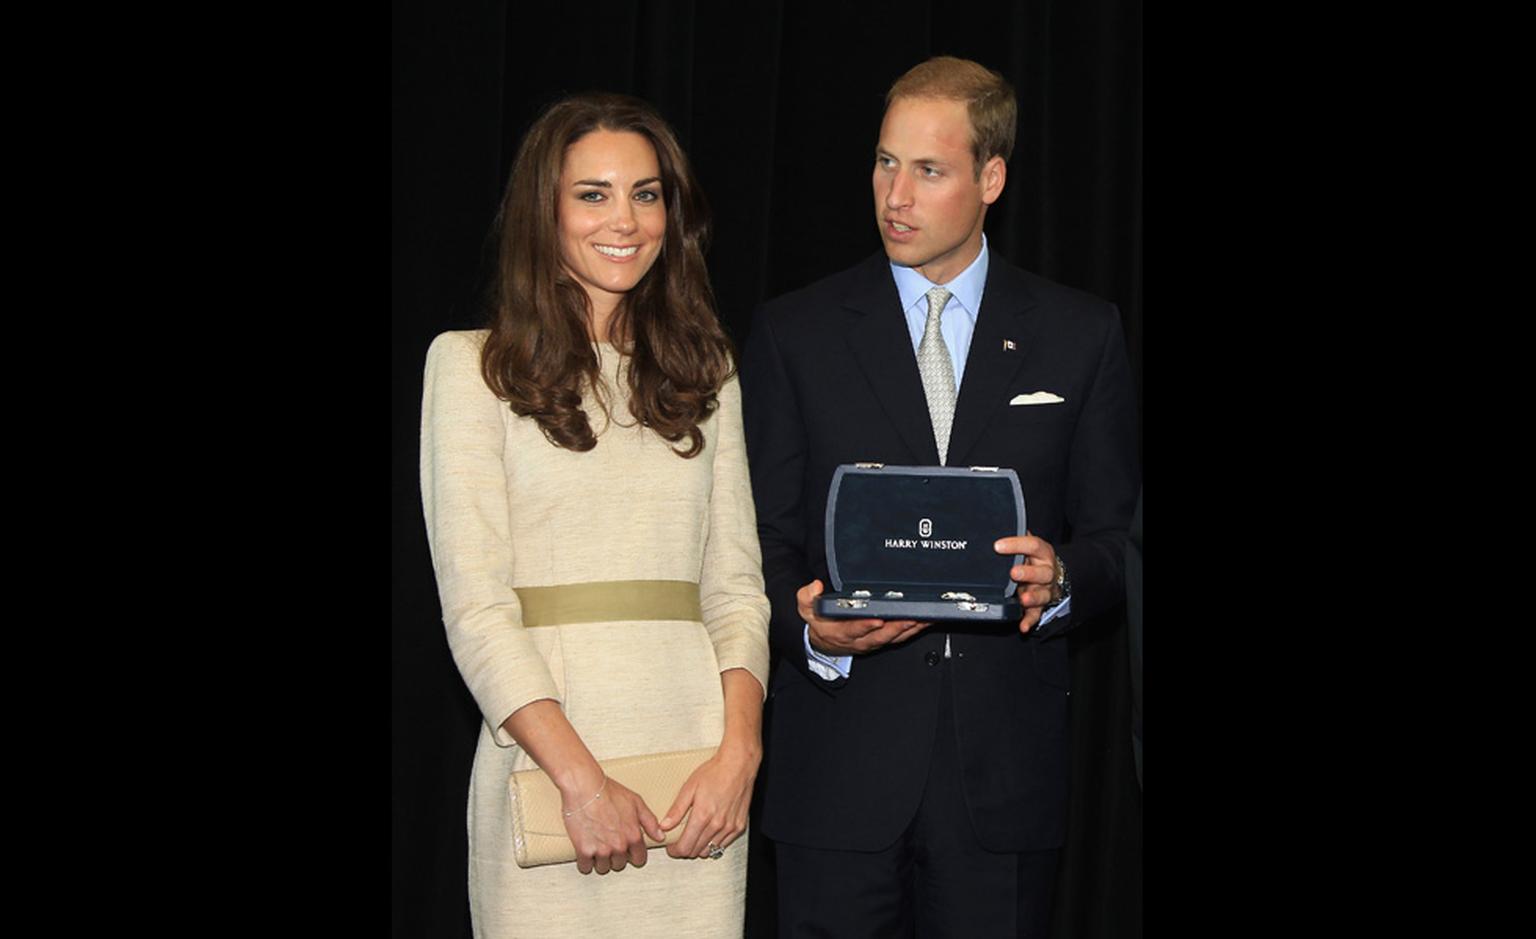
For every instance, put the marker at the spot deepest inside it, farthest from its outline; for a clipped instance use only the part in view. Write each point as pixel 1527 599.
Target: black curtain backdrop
pixel 778 105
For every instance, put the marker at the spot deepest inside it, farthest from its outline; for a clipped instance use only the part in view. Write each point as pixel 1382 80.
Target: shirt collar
pixel 966 287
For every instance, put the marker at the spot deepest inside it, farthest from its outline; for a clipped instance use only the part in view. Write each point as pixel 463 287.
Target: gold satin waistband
pixel 609 601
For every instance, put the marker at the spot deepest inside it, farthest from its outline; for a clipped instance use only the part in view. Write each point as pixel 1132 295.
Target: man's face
pixel 928 202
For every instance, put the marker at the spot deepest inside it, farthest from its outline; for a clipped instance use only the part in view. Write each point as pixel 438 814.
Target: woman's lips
pixel 617 253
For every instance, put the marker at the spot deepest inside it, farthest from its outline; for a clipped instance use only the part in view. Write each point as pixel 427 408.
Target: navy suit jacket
pixel 829 377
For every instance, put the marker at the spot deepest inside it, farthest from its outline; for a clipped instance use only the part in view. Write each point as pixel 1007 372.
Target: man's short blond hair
pixel 989 101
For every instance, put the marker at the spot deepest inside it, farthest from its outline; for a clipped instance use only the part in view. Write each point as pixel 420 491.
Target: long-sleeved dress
pixel 619 582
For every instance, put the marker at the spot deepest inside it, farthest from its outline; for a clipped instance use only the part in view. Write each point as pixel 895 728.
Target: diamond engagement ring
pixel 714 851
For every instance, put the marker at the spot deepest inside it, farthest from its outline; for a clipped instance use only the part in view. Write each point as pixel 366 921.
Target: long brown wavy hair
pixel 539 357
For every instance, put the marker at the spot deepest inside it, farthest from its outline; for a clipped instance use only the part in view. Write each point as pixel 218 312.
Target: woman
pixel 586 492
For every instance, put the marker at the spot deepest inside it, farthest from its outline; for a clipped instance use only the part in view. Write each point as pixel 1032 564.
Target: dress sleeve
pixel 731 583
pixel 464 496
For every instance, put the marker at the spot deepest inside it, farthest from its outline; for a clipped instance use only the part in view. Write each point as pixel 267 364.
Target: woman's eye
pixel 647 195
pixel 591 195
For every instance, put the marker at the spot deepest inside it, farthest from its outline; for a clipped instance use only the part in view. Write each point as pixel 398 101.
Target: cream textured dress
pixel 507 511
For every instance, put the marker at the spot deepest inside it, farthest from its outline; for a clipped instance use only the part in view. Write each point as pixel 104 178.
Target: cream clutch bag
pixel 538 823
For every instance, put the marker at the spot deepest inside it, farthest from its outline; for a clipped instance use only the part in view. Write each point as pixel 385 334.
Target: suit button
pixel 932 658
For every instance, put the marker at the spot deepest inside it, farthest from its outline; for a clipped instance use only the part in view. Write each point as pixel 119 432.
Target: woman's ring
pixel 715 851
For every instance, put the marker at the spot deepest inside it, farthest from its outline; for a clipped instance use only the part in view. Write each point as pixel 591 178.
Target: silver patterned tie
pixel 938 372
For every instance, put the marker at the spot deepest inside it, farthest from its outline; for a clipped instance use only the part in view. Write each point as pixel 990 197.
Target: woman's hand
pixel 605 821
pixel 719 793
pixel 608 831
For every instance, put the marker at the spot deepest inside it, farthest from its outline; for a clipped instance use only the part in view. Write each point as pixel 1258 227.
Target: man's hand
pixel 850 636
pixel 1036 577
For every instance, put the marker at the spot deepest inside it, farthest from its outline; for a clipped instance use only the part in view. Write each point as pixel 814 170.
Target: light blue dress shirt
pixel 957 324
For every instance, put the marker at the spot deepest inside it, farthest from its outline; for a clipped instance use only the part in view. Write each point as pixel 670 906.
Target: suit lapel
pixel 990 367
pixel 882 348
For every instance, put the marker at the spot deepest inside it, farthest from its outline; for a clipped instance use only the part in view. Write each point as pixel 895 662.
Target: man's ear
pixel 994 174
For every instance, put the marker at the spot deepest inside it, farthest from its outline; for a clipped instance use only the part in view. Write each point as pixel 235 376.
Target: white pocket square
pixel 1037 397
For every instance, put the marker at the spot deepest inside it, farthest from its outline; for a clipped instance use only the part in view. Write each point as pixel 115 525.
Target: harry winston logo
pixel 924 531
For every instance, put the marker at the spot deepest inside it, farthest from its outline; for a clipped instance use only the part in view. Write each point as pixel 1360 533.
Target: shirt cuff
pixel 826 666
pixel 1061 609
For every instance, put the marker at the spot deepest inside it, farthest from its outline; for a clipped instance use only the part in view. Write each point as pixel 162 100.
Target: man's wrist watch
pixel 1063 584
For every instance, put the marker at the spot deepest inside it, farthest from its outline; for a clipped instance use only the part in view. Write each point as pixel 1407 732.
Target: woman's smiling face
pixel 612 217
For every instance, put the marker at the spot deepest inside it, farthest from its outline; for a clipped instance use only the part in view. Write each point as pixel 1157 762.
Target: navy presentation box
pixel 915 542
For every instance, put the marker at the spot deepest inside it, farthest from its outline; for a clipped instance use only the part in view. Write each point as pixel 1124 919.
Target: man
pixel 917 775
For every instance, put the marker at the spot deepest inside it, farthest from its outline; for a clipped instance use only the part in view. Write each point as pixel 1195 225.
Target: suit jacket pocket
pixel 1047 427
